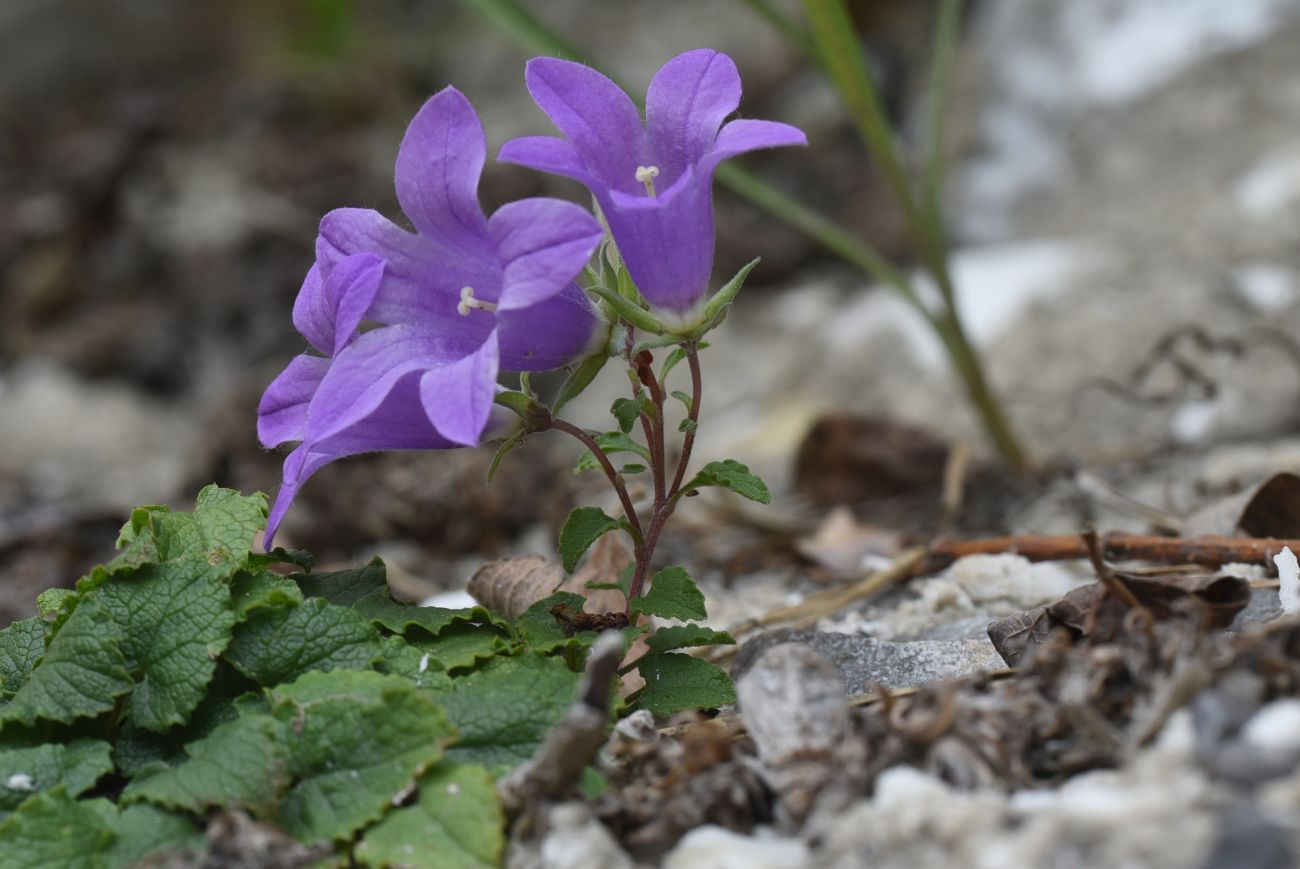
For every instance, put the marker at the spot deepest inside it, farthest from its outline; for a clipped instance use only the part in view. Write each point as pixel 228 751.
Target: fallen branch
pixel 1116 546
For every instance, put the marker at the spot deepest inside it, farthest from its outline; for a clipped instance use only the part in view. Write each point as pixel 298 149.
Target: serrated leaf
pixel 731 474
pixel 299 558
pixel 610 442
pixel 76 766
pixel 142 831
pixel 683 636
pixel 584 527
pixel 241 764
pixel 360 740
pixel 538 629
pixel 262 590
pixel 50 601
pixel 82 674
pixel 51 830
pixel 379 608
pixel 274 646
pixel 457 823
pixel 411 662
pixel 22 645
pixel 463 645
pixel 176 621
pixel 217 534
pixel 672 595
pixel 626 411
pixel 674 682
pixel 504 710
pixel 345 587
pixel 578 380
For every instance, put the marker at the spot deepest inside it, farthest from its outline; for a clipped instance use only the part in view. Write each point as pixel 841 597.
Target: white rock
pixel 1288 573
pixel 1276 727
pixel 713 847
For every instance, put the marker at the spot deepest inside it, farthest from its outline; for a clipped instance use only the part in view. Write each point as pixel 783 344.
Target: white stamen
pixel 647 175
pixel 468 302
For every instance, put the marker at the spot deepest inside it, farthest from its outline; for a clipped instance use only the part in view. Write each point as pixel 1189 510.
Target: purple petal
pixel 551 334
pixel 361 378
pixel 543 244
pixel 282 412
pixel 422 279
pixel 437 173
pixel 458 396
pixel 549 154
pixel 298 466
pixel 327 312
pixel 740 136
pixel 667 242
pixel 594 114
pixel 687 101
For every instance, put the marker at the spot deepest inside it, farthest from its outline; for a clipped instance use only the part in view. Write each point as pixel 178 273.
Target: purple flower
pixel 653 181
pixel 461 298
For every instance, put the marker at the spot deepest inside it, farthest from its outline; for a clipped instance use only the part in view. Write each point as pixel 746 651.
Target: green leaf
pixel 611 442
pixel 583 527
pixel 623 584
pixel 632 468
pixel 630 311
pixel 217 534
pixel 299 558
pixel 627 410
pixel 142 831
pixel 682 636
pixel 82 674
pixel 411 662
pixel 241 764
pixel 462 645
pixel 684 399
pixel 345 587
pixel 76 766
pixel 671 361
pixel 274 646
pixel 506 448
pixel 50 601
pixel 687 424
pixel 361 739
pixel 263 590
pixel 578 380
pixel 457 823
pixel 380 609
pixel 672 595
pixel 176 621
pixel 504 710
pixel 722 299
pixel 539 630
pixel 674 682
pixel 731 474
pixel 22 645
pixel 51 830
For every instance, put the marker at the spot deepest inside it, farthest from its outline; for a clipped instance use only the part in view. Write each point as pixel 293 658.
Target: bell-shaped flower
pixel 652 181
pixel 460 299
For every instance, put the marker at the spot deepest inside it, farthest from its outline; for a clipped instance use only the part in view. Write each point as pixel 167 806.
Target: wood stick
pixel 1115 546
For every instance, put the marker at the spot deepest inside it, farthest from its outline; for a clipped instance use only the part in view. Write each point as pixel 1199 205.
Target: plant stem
pixel 693 414
pixel 965 361
pixel 615 479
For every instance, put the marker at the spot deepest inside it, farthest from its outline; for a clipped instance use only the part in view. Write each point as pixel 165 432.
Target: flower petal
pixel 360 378
pixel 543 244
pixel 666 242
pixel 438 169
pixel 551 334
pixel 594 114
pixel 549 154
pixel 328 311
pixel 740 136
pixel 299 465
pixel 422 279
pixel 687 101
pixel 458 396
pixel 282 412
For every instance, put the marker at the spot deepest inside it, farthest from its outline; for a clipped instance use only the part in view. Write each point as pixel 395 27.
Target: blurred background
pixel 1123 196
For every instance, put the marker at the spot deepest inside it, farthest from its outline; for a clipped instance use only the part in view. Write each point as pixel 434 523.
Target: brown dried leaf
pixel 852 459
pixel 509 586
pixel 1269 509
pixel 841 542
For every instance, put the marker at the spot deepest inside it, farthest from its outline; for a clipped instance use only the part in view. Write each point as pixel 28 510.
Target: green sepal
pixel 634 314
pixel 715 309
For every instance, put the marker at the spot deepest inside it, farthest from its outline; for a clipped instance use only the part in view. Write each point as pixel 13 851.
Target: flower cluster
pixel 465 296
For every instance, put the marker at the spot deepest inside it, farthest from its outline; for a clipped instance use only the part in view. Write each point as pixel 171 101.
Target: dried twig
pixel 1210 551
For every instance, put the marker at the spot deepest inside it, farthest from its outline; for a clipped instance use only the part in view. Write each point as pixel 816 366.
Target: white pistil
pixel 647 175
pixel 468 302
